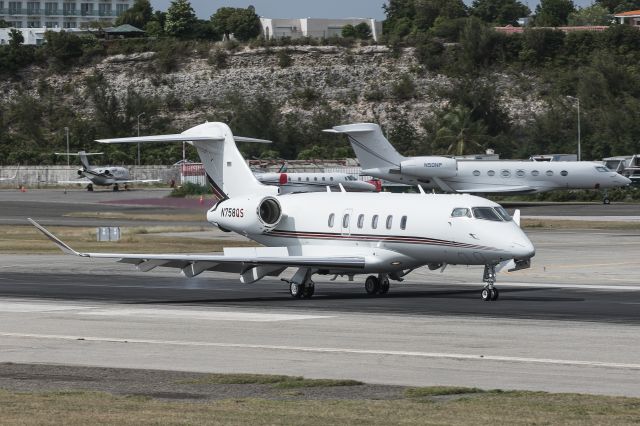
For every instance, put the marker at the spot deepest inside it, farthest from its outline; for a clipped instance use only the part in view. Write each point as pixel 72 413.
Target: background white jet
pixel 378 158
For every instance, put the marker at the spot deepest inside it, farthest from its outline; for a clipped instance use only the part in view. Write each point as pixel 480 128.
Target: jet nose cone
pixel 623 180
pixel 522 249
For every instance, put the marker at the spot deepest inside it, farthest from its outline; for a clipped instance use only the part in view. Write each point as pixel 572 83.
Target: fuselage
pixel 308 182
pixel 105 175
pixel 393 231
pixel 517 176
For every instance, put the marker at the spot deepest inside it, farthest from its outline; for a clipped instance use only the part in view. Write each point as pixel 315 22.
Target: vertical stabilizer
pixel 227 171
pixel 371 147
pixel 84 160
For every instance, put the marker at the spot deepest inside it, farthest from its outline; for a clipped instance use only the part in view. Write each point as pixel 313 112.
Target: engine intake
pixel 251 215
pixel 430 167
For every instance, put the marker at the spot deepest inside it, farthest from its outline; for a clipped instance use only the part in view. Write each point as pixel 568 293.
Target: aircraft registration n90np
pixel 382 235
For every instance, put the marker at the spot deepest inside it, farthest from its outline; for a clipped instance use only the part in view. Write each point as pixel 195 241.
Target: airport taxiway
pixel 569 324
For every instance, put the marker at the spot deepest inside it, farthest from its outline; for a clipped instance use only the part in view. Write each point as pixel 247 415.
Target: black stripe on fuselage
pixel 381 238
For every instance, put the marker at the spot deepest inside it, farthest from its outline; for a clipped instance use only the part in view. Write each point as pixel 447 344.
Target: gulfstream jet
pixel 384 236
pixel 102 176
pixel 378 158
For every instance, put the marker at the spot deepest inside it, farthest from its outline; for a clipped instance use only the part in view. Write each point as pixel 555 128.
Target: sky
pixel 308 8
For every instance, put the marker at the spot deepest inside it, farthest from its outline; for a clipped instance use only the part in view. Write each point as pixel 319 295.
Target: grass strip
pixel 439 391
pixel 512 408
pixel 280 382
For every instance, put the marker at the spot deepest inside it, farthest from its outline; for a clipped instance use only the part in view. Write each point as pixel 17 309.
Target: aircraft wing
pixel 80 181
pixel 252 263
pixel 137 181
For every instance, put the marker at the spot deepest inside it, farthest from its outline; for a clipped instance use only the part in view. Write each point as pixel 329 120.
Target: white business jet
pixel 333 233
pixel 102 176
pixel 314 182
pixel 378 158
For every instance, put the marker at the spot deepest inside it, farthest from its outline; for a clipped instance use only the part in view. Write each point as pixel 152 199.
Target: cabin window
pixel 307 179
pixel 549 173
pixel 461 212
pixel 389 221
pixel 345 221
pixel 403 223
pixel 564 173
pixel 491 173
pixel 332 217
pixel 486 213
pixel 535 173
pixel 331 178
pixel 360 221
pixel 299 179
pixel 315 178
pixel 476 172
pixel 505 173
pixel 374 222
pixel 323 178
pixel 520 173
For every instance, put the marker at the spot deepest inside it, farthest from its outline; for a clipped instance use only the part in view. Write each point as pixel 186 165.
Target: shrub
pixel 219 59
pixel 284 59
pixel 190 189
pixel 404 89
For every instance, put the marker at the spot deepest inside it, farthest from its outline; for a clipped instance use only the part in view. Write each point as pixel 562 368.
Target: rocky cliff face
pixel 358 82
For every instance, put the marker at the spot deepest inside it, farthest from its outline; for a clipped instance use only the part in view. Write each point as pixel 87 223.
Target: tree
pixel 4 24
pixel 363 31
pixel 180 18
pixel 501 12
pixel 406 16
pixel 15 38
pixel 349 31
pixel 244 24
pixel 619 5
pixel 458 133
pixel 137 15
pixel 592 15
pixel 553 13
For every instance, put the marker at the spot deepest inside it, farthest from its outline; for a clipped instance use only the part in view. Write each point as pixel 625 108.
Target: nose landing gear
pixel 489 292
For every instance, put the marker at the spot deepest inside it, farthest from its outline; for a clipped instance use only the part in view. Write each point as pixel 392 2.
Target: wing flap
pixel 498 188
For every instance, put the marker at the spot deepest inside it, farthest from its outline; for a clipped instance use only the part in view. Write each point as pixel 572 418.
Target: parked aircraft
pixel 334 233
pixel 379 158
pixel 15 175
pixel 104 175
pixel 310 182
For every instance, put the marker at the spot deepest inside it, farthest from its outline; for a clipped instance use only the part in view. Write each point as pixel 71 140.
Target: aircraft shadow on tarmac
pixel 283 296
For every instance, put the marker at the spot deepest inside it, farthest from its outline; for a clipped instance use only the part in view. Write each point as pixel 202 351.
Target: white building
pixel 33 36
pixel 631 17
pixel 317 28
pixel 60 14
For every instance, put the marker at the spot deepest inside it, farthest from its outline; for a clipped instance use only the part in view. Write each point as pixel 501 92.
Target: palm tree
pixel 460 131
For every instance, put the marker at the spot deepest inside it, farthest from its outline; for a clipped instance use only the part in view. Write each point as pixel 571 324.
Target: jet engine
pixel 250 215
pixel 430 167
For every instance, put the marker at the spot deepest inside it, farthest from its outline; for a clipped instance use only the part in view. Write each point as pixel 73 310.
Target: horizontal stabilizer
pixel 177 138
pixel 77 154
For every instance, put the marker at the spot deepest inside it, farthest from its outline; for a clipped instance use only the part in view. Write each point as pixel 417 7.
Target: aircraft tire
pixel 308 291
pixel 384 286
pixel 90 187
pixel 372 285
pixel 486 294
pixel 494 294
pixel 606 201
pixel 116 188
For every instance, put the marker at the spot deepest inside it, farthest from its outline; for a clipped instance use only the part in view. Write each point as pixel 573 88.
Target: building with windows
pixel 631 17
pixel 60 14
pixel 311 27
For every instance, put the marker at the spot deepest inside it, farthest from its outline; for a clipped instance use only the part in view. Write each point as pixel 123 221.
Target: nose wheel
pixel 489 293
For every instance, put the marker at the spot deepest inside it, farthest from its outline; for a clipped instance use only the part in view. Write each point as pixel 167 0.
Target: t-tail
pixel 84 160
pixel 371 147
pixel 226 169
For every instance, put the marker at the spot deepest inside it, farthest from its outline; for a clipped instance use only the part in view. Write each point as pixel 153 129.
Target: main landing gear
pixel 90 187
pixel 300 285
pixel 377 285
pixel 116 188
pixel 489 292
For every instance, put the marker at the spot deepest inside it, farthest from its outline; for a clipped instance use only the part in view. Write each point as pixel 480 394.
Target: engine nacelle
pixel 246 215
pixel 430 167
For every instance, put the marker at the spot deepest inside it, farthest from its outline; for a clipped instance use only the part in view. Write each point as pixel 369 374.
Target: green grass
pixel 280 382
pixel 439 391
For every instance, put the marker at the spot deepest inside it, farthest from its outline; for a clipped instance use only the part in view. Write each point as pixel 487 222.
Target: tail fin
pixel 84 160
pixel 371 147
pixel 228 173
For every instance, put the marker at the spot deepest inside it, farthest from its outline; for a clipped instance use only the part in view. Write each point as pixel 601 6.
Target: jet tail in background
pixel 371 147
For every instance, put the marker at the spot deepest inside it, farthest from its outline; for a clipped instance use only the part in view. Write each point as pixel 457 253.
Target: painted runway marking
pixel 431 355
pixel 575 286
pixel 213 316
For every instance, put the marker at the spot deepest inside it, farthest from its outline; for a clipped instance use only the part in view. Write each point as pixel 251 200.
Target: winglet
pixel 61 244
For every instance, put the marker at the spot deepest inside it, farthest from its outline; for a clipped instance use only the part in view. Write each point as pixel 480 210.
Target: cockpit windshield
pixel 503 213
pixel 461 212
pixel 486 213
pixel 602 169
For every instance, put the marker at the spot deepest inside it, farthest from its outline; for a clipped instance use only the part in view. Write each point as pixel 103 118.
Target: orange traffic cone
pixel 22 188
pixel 201 199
